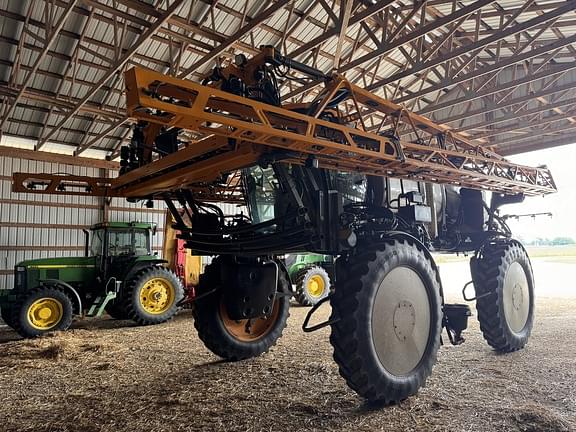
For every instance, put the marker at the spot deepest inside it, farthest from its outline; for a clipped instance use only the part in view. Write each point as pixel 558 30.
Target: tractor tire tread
pixel 131 296
pixel 488 273
pixel 360 373
pixel 213 334
pixel 20 324
pixel 301 296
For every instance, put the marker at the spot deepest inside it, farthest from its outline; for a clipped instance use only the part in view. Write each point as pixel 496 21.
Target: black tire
pixel 303 279
pixel 504 286
pixel 373 351
pixel 211 325
pixel 22 318
pixel 116 310
pixel 142 314
pixel 7 316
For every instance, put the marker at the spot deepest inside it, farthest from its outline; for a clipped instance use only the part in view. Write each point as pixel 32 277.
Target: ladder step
pixel 100 303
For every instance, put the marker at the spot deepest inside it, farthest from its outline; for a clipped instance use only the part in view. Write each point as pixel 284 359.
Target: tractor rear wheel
pixel 504 286
pixel 152 296
pixel 235 340
pixel 386 321
pixel 6 315
pixel 42 310
pixel 116 310
pixel 312 285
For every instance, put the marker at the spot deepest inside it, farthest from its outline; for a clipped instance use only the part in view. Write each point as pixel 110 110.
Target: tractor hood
pixel 60 262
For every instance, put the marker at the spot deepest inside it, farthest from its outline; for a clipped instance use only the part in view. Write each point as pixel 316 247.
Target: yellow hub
pixel 157 296
pixel 45 313
pixel 316 286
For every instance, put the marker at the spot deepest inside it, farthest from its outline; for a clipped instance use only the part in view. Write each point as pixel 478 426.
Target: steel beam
pixel 533 145
pixel 522 126
pixel 489 91
pixel 255 22
pixel 57 158
pixel 355 19
pixel 345 11
pixel 419 32
pixel 50 99
pixel 498 35
pixel 540 133
pixel 515 115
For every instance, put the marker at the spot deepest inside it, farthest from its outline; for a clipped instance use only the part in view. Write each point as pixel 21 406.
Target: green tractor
pixel 118 274
pixel 312 274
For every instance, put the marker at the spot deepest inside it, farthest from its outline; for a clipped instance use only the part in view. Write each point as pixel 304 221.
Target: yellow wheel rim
pixel 45 313
pixel 316 286
pixel 157 296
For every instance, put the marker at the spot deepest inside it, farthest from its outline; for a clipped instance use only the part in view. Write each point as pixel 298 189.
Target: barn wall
pixel 41 226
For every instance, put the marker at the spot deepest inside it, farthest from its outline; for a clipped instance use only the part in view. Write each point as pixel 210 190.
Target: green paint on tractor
pixel 118 253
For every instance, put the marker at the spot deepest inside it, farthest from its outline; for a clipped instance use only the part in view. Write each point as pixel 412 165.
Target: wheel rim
pixel 249 330
pixel 401 320
pixel 516 298
pixel 157 296
pixel 45 313
pixel 316 286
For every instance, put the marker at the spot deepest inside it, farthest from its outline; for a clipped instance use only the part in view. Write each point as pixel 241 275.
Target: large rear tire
pixel 116 310
pixel 242 339
pixel 7 316
pixel 40 311
pixel 504 286
pixel 152 296
pixel 386 313
pixel 312 285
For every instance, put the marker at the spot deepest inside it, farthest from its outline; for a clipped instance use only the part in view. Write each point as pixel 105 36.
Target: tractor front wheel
pixel 504 286
pixel 41 310
pixel 386 321
pixel 152 296
pixel 236 339
pixel 312 285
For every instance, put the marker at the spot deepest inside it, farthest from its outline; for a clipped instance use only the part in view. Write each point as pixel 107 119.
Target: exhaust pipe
pixel 86 240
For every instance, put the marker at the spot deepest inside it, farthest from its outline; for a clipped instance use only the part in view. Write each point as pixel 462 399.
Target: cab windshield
pixel 121 242
pixel 131 242
pixel 261 185
pixel 262 189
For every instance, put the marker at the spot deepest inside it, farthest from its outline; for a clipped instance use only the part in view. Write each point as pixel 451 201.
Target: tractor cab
pixel 117 239
pixel 118 248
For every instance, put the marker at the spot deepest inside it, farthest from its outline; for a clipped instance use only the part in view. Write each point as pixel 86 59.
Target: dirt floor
pixel 108 376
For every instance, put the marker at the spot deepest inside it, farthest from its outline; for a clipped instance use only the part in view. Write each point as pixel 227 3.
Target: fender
pixel 67 287
pixel 283 269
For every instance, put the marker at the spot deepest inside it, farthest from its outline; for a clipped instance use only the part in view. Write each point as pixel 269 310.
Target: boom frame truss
pixel 240 132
